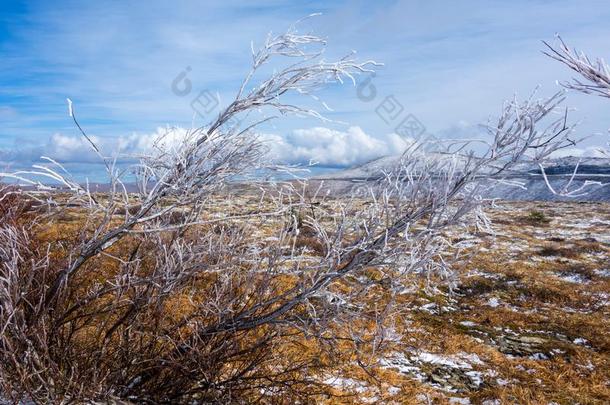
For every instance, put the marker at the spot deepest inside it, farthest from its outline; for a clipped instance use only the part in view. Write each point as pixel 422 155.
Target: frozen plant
pixel 184 292
pixel 594 75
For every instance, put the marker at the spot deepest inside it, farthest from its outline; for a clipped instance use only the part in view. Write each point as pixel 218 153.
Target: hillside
pixel 558 171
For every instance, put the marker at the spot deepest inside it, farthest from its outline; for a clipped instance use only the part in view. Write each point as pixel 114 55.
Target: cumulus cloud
pixel 324 146
pixel 329 147
pixel 76 149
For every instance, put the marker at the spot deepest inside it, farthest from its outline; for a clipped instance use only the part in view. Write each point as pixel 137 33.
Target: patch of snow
pixel 468 324
pixel 404 365
pixel 473 358
pixel 458 400
pixel 465 244
pixel 476 377
pixel 573 278
pixel 602 273
pixel 604 297
pixel 410 364
pixel 491 373
pixel 581 341
pixel 424 398
pixel 394 390
pixel 479 273
pixel 346 383
pixel 581 225
pixel 432 358
pixel 493 302
pixel 429 308
pixel 538 356
pixel 502 382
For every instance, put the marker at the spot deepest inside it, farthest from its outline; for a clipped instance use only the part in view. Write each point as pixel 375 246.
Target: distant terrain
pixel 559 172
pixel 341 181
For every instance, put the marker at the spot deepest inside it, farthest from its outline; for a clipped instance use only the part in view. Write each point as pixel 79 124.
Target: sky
pixel 448 66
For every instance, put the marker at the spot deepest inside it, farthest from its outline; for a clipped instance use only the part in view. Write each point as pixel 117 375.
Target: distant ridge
pixel 558 170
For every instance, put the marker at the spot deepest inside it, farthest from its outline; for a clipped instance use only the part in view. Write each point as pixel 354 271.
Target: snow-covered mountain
pixel 558 171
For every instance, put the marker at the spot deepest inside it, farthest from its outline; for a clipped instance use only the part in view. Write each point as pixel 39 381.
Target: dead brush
pixel 135 301
pixel 312 243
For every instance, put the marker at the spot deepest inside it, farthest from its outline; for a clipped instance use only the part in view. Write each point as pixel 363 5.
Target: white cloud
pixel 329 147
pixel 324 146
pixel 320 145
pixel 461 62
pixel 76 149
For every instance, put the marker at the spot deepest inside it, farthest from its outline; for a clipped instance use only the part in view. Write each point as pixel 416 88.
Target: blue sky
pixel 450 64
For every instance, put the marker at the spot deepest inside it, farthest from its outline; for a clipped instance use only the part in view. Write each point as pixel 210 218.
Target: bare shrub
pixel 536 218
pixel 596 73
pixel 180 293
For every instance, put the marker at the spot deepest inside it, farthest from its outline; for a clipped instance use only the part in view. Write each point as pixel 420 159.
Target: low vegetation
pixel 520 326
pixel 536 217
pixel 185 291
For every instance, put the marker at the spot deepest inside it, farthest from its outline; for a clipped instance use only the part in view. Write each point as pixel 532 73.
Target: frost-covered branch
pixel 596 74
pixel 306 75
pixel 192 285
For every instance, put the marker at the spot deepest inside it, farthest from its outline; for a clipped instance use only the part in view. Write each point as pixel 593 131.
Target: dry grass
pixel 528 322
pixel 533 306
